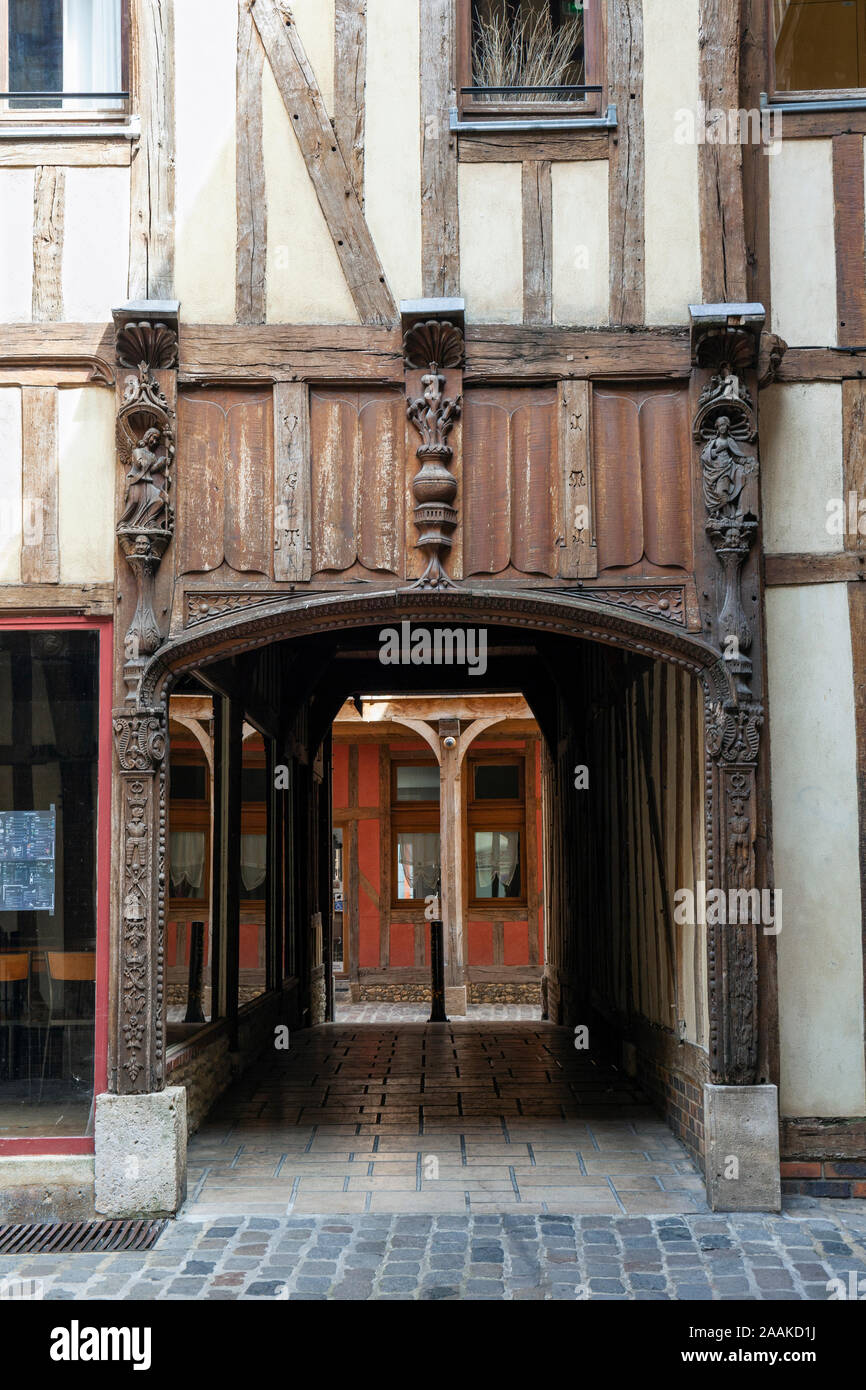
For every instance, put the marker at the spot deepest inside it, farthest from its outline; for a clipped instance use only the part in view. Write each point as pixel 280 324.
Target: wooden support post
pixel 252 203
pixel 230 857
pixel 152 187
pixel 440 254
pixel 626 195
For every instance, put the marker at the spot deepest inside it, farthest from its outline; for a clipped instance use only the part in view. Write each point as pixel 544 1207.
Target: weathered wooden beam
pixel 502 148
pixel 626 175
pixel 537 242
pixel 720 165
pixel 578 553
pixel 527 352
pixel 66 154
pixel 40 548
pixel 49 213
pixel 152 179
pixel 350 81
pixel 96 599
pixel 325 164
pixel 292 482
pixel 843 567
pixel 854 454
pixel 252 206
pixel 756 164
pixel 850 239
pixel 440 268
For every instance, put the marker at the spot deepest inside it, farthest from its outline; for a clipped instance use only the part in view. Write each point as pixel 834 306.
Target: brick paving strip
pixel 509 1256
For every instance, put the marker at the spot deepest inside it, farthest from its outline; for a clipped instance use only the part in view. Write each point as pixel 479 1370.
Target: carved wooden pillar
pixel 726 352
pixel 139 1048
pixel 433 353
pixel 147 350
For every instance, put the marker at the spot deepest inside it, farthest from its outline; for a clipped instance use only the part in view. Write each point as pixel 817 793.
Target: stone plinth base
pixel 741 1125
pixel 455 1000
pixel 141 1153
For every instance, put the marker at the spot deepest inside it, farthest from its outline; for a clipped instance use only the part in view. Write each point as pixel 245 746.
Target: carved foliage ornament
pixel 433 348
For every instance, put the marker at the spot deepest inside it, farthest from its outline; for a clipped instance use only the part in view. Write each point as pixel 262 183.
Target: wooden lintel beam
pixel 325 163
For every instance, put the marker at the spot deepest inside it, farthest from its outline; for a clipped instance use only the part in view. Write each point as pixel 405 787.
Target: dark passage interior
pixel 261 932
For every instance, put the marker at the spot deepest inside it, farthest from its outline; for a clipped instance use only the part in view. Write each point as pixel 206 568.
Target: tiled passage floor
pixel 437 1118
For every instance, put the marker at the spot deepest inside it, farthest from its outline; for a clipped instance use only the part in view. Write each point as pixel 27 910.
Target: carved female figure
pixel 146 497
pixel 727 469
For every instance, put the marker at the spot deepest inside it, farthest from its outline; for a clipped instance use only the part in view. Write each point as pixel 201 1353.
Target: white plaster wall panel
pixel 10 484
pixel 581 245
pixel 314 20
pixel 815 834
pixel 305 281
pixel 16 245
pixel 392 157
pixel 802 242
pixel 671 202
pixel 206 218
pixel 95 244
pixel 801 466
pixel 87 463
pixel 490 199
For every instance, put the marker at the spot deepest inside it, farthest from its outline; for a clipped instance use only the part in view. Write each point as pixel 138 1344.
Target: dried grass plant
pixel 524 50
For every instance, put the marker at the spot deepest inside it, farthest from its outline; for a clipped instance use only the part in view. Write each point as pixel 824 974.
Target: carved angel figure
pixel 146 501
pixel 727 469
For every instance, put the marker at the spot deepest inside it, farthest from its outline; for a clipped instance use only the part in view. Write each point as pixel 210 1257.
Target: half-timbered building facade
pixel 321 320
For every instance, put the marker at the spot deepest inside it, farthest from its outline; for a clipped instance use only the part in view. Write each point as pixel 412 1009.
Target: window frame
pixel 52 115
pixel 489 814
pixel 803 96
pixel 411 817
pixel 591 104
pixel 190 815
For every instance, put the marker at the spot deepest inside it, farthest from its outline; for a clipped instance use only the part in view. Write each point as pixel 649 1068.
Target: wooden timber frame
pixel 150 358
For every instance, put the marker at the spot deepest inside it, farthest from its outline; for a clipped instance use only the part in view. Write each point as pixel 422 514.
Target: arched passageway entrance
pixel 628 801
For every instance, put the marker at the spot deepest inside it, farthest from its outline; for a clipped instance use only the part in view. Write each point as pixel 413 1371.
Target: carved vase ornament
pixel 433 348
pixel 145 445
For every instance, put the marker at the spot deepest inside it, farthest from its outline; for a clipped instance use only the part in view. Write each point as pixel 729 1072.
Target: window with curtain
pixel 414 829
pixel 417 864
pixel 69 53
pixel 496 818
pixel 819 45
pixel 189 820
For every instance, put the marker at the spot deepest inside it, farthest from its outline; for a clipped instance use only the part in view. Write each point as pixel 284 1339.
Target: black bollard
pixel 437 973
pixel 194 1011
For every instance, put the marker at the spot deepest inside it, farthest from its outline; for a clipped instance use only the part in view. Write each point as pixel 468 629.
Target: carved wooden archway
pixel 140 739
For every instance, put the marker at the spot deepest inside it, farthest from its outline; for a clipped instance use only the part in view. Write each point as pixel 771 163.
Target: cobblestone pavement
pixel 373 1011
pixel 513 1257
pixel 448 1118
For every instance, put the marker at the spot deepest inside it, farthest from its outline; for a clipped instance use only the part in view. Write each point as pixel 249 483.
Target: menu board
pixel 27 860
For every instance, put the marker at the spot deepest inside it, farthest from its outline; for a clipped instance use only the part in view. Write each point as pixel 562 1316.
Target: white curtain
pixel 417 864
pixel 187 849
pixel 91 51
pixel 496 855
pixel 254 861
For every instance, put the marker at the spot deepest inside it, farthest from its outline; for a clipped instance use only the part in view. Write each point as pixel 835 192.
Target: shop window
pixel 819 46
pixel 52 804
pixel 60 56
pixel 415 851
pixel 536 54
pixel 496 820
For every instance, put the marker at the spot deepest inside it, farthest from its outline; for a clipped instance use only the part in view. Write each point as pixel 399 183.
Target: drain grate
pixel 79 1237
